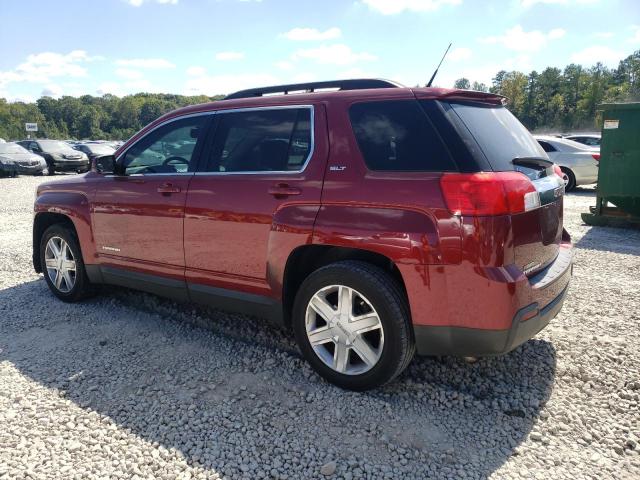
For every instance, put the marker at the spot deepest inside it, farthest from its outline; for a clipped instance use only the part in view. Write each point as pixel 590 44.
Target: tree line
pixel 87 117
pixel 560 99
pixel 566 99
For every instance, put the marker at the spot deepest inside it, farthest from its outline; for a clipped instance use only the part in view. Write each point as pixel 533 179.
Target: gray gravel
pixel 127 385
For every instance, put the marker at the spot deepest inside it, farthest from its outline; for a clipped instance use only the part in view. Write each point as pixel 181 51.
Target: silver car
pixel 578 162
pixel 589 139
pixel 15 159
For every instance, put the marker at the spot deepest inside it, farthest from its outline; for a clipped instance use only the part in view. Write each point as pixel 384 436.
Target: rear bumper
pixel 474 312
pixel 474 342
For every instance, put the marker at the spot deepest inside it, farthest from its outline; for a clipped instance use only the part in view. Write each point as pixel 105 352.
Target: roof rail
pixel 355 84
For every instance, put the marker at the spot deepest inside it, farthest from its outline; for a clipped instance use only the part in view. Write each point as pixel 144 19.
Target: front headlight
pixel 6 161
pixel 57 156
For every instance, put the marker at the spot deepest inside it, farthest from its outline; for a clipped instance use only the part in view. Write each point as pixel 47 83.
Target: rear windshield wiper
pixel 532 162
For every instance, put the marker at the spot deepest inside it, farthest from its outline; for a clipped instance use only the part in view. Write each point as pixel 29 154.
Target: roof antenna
pixel 441 60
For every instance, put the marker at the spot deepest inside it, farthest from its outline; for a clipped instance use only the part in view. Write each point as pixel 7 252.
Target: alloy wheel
pixel 60 264
pixel 344 330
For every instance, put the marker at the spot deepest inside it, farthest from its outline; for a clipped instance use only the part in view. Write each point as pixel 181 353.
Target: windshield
pixel 579 146
pixel 500 135
pixel 100 148
pixel 12 148
pixel 54 146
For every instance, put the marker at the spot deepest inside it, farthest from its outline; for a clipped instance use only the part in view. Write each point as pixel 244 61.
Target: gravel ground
pixel 127 385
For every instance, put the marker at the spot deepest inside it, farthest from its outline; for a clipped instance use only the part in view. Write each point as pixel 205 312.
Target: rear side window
pixel 546 146
pixel 277 140
pixel 398 136
pixel 499 134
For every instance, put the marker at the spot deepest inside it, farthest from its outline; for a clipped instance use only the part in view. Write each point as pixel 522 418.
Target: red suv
pixel 374 220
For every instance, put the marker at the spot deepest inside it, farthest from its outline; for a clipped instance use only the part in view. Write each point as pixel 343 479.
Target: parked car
pixel 115 144
pixel 578 162
pixel 15 159
pixel 589 139
pixel 59 156
pixel 93 150
pixel 374 221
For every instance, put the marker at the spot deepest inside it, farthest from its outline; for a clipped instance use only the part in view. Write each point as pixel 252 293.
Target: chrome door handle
pixel 281 190
pixel 168 188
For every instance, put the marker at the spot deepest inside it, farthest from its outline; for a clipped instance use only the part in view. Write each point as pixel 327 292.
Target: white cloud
pixel 517 39
pixel 145 63
pixel 461 53
pixel 196 71
pixel 336 54
pixel 284 65
pixel 392 7
pixel 603 35
pixel 597 53
pixel 636 35
pixel 138 3
pixel 128 73
pixel 226 56
pixel 224 84
pixel 530 3
pixel 42 67
pixel 312 34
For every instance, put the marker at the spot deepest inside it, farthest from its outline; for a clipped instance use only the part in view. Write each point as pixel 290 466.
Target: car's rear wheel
pixel 351 321
pixel 62 264
pixel 569 179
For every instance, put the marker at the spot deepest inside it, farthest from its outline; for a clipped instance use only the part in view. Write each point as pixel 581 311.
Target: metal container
pixel 618 193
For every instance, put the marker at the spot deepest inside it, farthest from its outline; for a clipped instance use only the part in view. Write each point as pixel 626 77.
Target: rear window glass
pixel 500 135
pixel 397 136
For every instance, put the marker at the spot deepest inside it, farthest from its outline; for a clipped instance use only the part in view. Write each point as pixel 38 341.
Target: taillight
pixel 485 194
pixel 596 156
pixel 558 171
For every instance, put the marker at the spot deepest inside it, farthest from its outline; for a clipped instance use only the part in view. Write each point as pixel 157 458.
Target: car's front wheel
pixel 62 264
pixel 351 321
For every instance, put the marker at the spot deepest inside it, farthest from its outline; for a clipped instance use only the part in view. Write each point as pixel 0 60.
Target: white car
pixel 578 162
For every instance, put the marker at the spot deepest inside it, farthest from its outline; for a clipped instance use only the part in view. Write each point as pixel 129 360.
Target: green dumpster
pixel 618 193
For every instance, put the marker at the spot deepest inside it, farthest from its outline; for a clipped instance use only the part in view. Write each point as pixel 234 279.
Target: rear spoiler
pixel 457 94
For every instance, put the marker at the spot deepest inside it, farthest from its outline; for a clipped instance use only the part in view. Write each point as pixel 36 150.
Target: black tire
pixel 386 297
pixel 82 288
pixel 571 179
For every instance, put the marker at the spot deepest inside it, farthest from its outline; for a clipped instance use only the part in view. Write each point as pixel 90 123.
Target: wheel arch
pixel 41 222
pixel 306 259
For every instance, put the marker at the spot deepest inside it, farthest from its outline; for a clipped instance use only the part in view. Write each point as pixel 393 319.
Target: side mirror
pixel 104 165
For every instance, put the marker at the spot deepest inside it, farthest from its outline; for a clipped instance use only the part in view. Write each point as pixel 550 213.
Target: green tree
pixel 462 83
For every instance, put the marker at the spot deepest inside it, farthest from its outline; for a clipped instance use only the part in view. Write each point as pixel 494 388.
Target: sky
pixel 190 47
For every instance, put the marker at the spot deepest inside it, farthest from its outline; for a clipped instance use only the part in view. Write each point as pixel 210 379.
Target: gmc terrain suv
pixel 374 220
